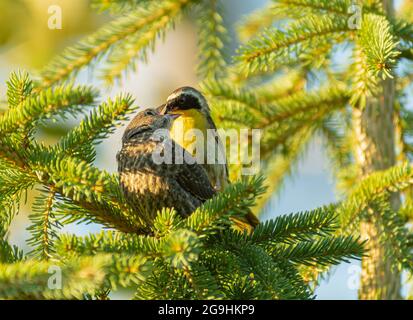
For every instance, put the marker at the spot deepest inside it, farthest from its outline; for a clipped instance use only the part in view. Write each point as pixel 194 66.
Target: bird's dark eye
pixel 133 133
pixel 172 105
pixel 150 112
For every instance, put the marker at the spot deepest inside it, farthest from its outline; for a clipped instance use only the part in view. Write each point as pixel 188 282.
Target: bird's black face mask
pixel 181 102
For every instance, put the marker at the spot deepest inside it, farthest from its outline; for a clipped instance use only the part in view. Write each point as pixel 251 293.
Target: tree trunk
pixel 375 150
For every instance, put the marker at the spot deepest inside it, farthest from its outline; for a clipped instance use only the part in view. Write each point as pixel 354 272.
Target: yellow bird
pixel 194 120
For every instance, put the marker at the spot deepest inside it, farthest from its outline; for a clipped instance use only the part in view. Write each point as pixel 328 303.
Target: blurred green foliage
pixel 24 34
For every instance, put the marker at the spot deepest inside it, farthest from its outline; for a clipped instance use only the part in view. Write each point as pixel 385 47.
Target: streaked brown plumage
pixel 195 113
pixel 150 186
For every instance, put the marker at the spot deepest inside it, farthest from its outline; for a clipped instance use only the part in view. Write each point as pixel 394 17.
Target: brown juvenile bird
pixel 149 185
pixel 194 113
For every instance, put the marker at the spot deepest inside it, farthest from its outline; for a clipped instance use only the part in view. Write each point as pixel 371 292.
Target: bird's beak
pixel 173 116
pixel 163 109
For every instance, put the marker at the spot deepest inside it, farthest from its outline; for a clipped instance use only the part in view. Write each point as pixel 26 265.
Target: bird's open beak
pixel 163 109
pixel 173 116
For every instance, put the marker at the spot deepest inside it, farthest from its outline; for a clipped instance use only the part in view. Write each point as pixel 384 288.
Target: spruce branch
pixel 44 225
pixel 378 44
pixel 336 136
pixel 204 284
pixel 124 55
pixel 165 283
pixel 337 140
pixel 48 103
pixel 110 212
pixel 403 30
pixel 19 87
pixel 372 188
pixel 30 279
pixel 117 6
pixel 107 242
pixel 374 58
pixel 275 46
pixel 365 84
pixel 9 253
pixel 280 86
pixel 406 54
pixel 166 221
pixel 96 45
pixel 234 201
pixel 93 190
pixel 98 125
pixel 181 248
pixel 13 179
pixel 212 38
pixel 294 9
pixel 272 279
pixel 279 133
pixel 13 183
pixel 299 104
pixel 337 7
pixel 73 177
pixel 85 193
pixel 257 21
pixel 291 228
pixel 396 238
pixel 324 252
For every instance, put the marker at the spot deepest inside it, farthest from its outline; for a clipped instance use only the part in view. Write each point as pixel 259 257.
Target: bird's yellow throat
pixel 182 130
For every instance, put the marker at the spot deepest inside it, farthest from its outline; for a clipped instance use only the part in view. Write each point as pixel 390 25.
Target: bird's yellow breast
pixel 181 128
